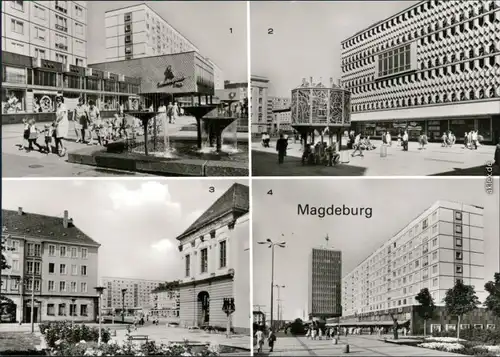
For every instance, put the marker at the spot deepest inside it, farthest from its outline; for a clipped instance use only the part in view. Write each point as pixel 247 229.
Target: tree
pixel 492 302
pixel 426 308
pixel 460 300
pixel 297 327
pixel 3 265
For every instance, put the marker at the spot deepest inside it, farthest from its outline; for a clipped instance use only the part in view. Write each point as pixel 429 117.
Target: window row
pixel 18 27
pixel 62 310
pixel 204 259
pixel 428 99
pixel 64 286
pixel 63 269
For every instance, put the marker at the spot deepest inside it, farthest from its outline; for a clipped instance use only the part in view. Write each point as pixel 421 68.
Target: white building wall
pixel 40 20
pixel 428 241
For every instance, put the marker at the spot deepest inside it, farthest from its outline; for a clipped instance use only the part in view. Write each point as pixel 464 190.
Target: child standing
pixel 48 131
pixel 33 135
pixel 26 134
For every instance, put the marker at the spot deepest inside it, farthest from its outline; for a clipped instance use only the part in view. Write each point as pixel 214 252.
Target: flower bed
pixel 450 344
pixel 113 348
pixel 55 333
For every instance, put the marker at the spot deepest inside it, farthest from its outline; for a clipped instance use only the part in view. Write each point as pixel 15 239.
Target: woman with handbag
pixel 80 120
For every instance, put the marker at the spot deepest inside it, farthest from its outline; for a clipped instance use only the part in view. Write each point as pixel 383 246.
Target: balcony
pixel 62 46
pixel 61 28
pixel 61 9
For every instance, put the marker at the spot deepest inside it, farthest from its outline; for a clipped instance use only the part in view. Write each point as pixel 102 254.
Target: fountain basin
pixel 188 161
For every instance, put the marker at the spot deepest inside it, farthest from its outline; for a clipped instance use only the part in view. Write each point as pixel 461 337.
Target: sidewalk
pixel 165 334
pixel 359 346
pixel 433 160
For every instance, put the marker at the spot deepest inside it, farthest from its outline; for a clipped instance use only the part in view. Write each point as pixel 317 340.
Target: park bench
pixel 138 338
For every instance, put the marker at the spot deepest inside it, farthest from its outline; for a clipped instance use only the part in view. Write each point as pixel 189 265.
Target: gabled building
pixel 56 259
pixel 217 264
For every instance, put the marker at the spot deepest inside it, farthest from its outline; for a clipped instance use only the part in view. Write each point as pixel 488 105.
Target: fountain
pixel 144 117
pixel 214 125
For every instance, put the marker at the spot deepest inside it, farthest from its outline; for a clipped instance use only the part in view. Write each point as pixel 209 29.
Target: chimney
pixel 320 80
pixel 310 81
pixel 331 82
pixel 20 211
pixel 65 219
pixel 339 82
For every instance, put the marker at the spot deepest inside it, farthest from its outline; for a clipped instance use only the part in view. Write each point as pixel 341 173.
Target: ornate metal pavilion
pixel 317 107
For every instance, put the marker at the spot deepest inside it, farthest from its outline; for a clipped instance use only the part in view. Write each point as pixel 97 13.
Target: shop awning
pixel 366 323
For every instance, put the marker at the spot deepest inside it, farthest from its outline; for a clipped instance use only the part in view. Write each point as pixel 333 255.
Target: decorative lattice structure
pixel 432 56
pixel 315 106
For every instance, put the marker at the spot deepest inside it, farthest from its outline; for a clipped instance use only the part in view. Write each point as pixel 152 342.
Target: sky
pixel 306 37
pixel 394 204
pixel 206 24
pixel 135 221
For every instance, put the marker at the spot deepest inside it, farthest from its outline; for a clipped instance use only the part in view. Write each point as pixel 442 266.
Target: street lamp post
pixel 271 245
pixel 99 290
pixel 123 304
pixel 279 287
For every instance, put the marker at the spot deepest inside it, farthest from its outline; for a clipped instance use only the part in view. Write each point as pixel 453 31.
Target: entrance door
pixel 27 314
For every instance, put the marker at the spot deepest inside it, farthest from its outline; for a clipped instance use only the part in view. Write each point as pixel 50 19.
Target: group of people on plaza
pixel 90 128
pixel 315 332
pixel 271 340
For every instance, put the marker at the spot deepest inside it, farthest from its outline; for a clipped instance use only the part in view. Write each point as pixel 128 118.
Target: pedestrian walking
pixel 281 146
pixel 271 340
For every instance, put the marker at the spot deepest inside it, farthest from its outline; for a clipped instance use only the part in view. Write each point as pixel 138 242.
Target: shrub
pixel 486 336
pixel 297 327
pixel 54 332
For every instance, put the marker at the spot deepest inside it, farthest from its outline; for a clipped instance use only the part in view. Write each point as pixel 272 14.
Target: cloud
pixel 163 245
pixel 148 192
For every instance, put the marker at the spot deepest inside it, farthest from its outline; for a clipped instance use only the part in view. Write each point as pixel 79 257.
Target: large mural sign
pixel 171 79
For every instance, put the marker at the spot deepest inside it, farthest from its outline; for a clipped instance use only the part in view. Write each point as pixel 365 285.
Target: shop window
pixel 13 101
pixel 44 103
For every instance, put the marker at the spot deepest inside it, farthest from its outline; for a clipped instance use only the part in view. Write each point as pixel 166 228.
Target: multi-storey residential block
pixel 218 75
pixel 56 259
pixel 165 303
pixel 442 245
pixel 259 111
pixel 431 68
pixel 216 262
pixel 137 31
pixel 136 295
pixel 281 114
pixel 52 30
pixel 325 272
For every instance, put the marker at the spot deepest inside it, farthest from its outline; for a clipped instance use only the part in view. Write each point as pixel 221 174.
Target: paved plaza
pixel 359 346
pixel 19 163
pixel 434 160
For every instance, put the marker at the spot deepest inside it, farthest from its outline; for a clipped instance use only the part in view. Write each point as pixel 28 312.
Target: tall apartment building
pixel 138 31
pixel 56 259
pixel 137 294
pixel 442 245
pixel 259 106
pixel 52 30
pixel 430 68
pixel 325 273
pixel 281 103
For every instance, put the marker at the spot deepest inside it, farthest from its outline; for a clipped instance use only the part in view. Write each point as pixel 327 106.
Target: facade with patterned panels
pixel 215 256
pixel 431 68
pixel 56 259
